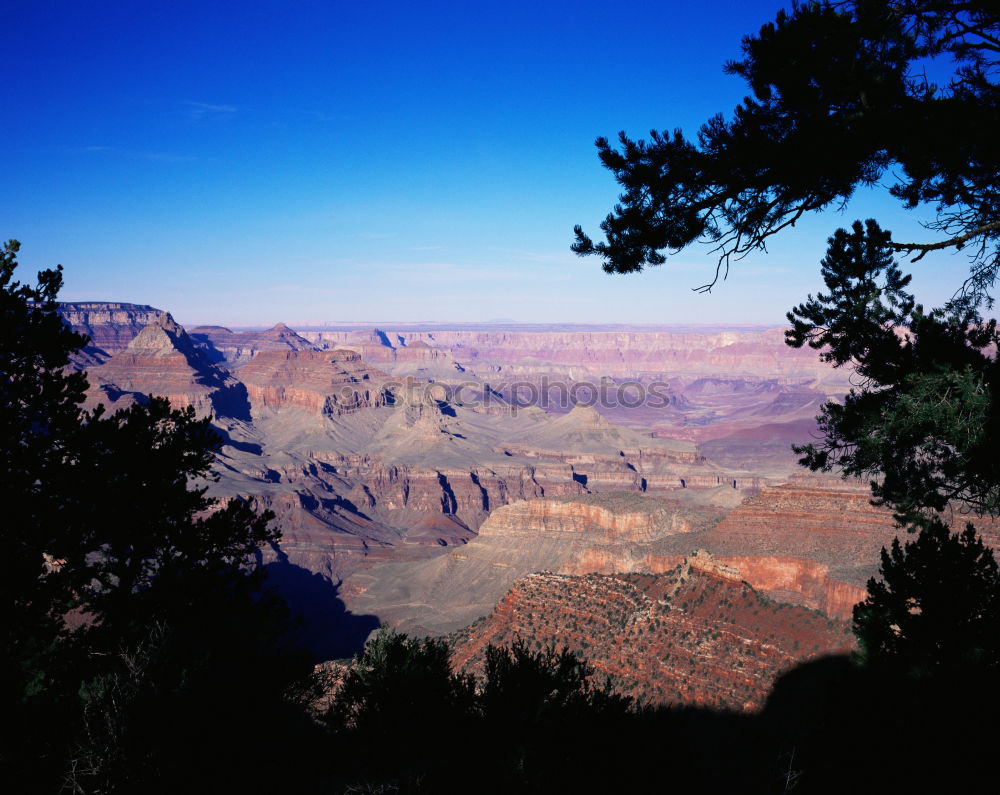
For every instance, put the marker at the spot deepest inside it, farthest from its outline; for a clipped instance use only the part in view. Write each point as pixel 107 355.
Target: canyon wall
pixel 321 382
pixel 757 353
pixel 604 533
pixel 110 325
pixel 692 636
pixel 162 360
pixel 813 541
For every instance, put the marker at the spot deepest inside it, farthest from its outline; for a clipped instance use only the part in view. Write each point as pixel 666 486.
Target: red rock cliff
pixel 692 636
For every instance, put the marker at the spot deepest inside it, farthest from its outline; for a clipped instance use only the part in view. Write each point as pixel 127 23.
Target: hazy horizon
pixel 430 324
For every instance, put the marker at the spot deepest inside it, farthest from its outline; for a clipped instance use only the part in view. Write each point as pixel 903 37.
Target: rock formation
pixel 678 353
pixel 694 635
pixel 321 382
pixel 813 541
pixel 433 501
pixel 236 348
pixel 161 360
pixel 604 533
pixel 110 326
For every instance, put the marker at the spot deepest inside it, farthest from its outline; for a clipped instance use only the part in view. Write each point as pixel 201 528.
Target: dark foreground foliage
pixel 140 652
pixel 535 722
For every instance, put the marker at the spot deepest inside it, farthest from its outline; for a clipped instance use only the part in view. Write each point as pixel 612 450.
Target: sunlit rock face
pixel 694 635
pixel 758 352
pixel 813 542
pixel 109 326
pixel 606 533
pixel 320 382
pixel 161 360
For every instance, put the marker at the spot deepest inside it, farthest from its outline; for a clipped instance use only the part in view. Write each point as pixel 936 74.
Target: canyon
pixel 695 634
pixel 428 474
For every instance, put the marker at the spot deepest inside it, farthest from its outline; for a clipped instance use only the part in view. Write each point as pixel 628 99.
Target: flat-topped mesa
pixel 683 352
pixel 162 360
pixel 110 325
pixel 322 382
pixel 373 344
pixel 236 348
pixel 420 353
pixel 600 519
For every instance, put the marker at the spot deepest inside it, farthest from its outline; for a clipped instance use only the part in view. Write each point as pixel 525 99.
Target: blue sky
pixel 245 163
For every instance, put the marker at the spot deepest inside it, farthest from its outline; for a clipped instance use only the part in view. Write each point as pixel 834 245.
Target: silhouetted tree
pixel 533 715
pixel 922 424
pixel 936 608
pixel 39 415
pixel 39 421
pixel 840 100
pixel 921 421
pixel 172 640
pixel 540 710
pixel 398 709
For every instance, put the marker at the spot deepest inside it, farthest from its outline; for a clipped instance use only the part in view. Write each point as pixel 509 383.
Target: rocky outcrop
pixel 367 465
pixel 716 387
pixel 236 348
pixel 404 494
pixel 321 382
pixel 606 533
pixel 161 360
pixel 814 540
pixel 394 352
pixel 695 635
pixel 110 326
pixel 799 581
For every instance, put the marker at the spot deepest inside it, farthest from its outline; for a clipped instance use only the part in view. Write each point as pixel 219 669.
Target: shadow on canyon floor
pixel 327 629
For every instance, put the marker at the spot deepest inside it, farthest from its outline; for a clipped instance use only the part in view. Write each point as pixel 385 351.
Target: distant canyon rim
pixel 420 472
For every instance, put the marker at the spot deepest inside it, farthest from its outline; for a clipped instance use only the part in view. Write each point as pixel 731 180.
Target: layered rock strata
pixel 760 352
pixel 161 360
pixel 236 348
pixel 110 326
pixel 695 635
pixel 321 382
pixel 360 471
pixel 605 533
pixel 814 541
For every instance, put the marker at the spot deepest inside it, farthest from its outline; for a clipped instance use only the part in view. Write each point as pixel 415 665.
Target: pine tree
pixel 131 601
pixel 936 608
